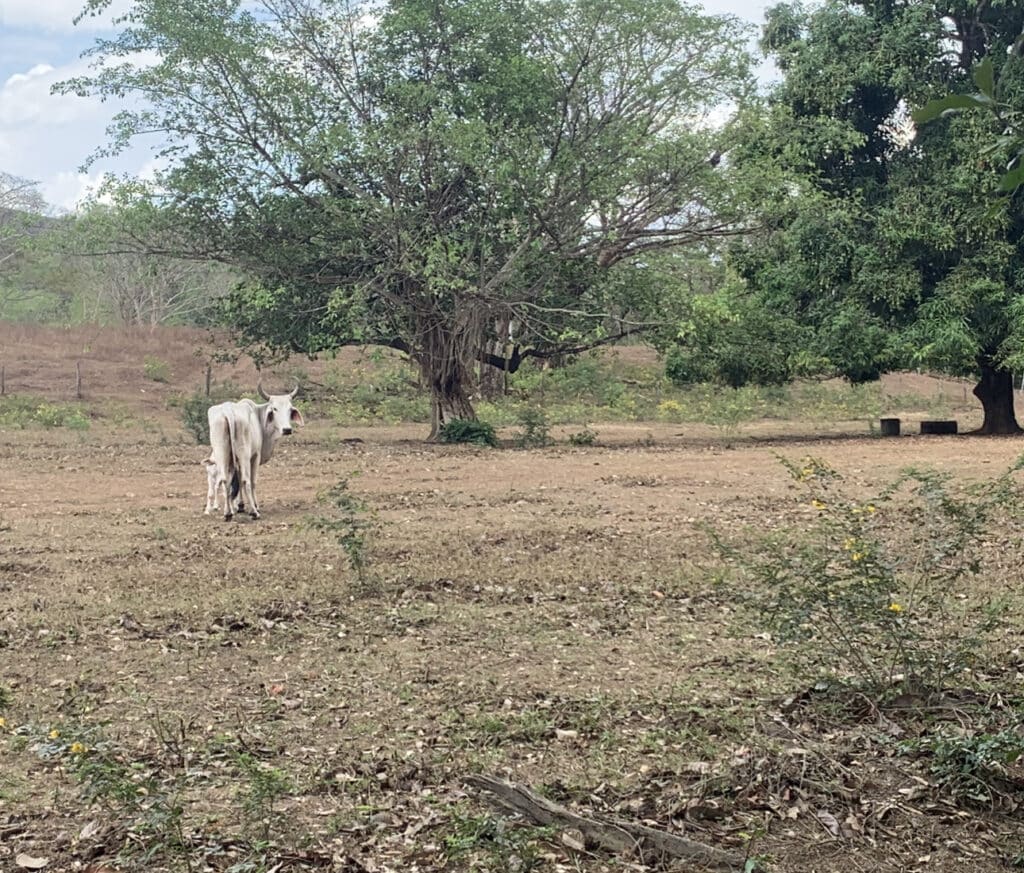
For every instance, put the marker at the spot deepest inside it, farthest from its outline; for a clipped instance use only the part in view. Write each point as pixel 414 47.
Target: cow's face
pixel 281 417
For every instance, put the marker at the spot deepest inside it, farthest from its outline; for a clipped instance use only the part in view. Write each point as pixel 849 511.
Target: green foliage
pixel 972 767
pixel 138 792
pixel 347 236
pixel 348 523
pixel 263 786
pixel 193 411
pixel 735 341
pixel 534 427
pixel 880 590
pixel 155 369
pixel 890 249
pixel 24 412
pixel 995 97
pixel 493 843
pixel 461 430
pixel 585 437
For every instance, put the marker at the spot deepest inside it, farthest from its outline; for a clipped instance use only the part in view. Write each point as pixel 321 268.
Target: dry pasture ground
pixel 548 615
pixel 242 700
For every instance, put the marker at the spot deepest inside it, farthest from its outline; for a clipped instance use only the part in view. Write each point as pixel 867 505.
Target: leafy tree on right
pixel 890 244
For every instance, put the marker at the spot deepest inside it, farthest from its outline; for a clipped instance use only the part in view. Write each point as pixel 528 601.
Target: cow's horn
pixel 295 391
pixel 260 391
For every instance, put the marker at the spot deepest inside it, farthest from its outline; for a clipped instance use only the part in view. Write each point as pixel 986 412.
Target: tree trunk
pixel 449 398
pixel 995 391
pixel 493 382
pixel 446 356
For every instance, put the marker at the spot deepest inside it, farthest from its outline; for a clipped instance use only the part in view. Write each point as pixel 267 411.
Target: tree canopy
pixel 883 242
pixel 467 181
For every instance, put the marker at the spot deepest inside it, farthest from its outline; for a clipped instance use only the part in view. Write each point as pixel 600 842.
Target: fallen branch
pixel 614 836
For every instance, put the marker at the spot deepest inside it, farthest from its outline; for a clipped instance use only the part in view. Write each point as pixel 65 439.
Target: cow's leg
pixel 236 493
pixel 222 457
pixel 224 483
pixel 245 495
pixel 254 507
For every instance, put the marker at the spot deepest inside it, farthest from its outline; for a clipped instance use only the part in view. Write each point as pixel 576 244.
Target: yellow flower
pixel 817 504
pixel 3 722
pixel 54 734
pixel 849 544
pixel 895 607
pixel 856 556
pixel 77 748
pixel 870 508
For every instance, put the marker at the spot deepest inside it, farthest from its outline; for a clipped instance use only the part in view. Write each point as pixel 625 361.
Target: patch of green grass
pixel 24 412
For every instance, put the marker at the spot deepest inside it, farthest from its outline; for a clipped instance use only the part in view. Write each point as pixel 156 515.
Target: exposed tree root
pixel 614 836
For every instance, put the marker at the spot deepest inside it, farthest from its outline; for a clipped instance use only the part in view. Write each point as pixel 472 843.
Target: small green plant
pixel 464 430
pixel 348 522
pixel 535 431
pixel 880 590
pixel 971 767
pixel 155 369
pixel 585 437
pixel 147 795
pixel 493 842
pixel 264 786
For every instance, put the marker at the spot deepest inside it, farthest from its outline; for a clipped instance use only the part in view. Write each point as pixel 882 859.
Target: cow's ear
pixel 297 418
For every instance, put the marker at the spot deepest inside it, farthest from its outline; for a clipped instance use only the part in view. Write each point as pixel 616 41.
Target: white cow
pixel 242 436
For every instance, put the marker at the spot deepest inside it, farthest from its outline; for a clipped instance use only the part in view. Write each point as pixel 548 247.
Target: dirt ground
pixel 244 700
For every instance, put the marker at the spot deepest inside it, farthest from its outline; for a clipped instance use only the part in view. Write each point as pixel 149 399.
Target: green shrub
pixel 464 430
pixel 155 369
pixel 349 519
pixel 585 437
pixel 880 591
pixel 193 411
pixel 736 341
pixel 534 424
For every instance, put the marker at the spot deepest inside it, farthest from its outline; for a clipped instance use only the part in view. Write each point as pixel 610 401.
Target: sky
pixel 47 138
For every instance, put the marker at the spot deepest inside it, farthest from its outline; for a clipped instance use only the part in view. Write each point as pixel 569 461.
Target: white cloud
pixel 66 190
pixel 45 137
pixel 25 99
pixel 54 15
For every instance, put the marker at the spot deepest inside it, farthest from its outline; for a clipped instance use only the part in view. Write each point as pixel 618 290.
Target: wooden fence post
pixel 3 380
pixel 209 375
pixel 78 380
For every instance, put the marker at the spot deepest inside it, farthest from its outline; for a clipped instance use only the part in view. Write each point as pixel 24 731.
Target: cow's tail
pixel 234 484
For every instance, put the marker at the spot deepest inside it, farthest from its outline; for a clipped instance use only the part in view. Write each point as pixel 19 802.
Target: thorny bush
pixel 880 591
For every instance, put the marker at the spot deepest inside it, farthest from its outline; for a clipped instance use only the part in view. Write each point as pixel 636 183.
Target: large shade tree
pixel 886 242
pixel 466 180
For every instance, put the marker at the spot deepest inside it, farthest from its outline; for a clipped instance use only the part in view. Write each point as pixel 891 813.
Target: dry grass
pixel 551 615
